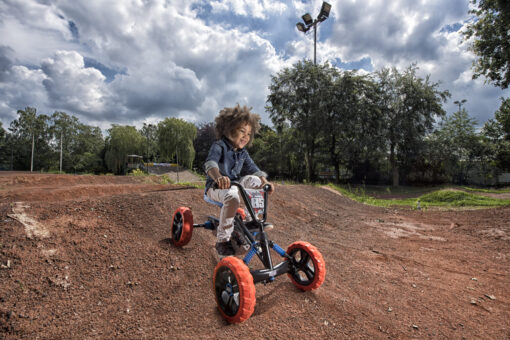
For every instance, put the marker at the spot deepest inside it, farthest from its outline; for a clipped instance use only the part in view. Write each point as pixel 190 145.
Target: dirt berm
pixel 89 257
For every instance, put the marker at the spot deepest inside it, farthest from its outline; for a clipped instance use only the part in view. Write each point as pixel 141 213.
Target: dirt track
pixel 85 257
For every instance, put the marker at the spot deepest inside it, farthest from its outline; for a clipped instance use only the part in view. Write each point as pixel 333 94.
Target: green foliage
pixel 296 97
pixel 202 144
pixel 457 142
pixel 266 151
pixel 27 130
pixel 81 145
pixel 122 141
pixel 492 191
pixel 496 133
pixel 4 149
pixel 439 198
pixel 490 30
pixel 359 195
pixel 409 106
pixel 165 179
pixel 150 145
pixel 138 173
pixel 354 119
pixel 175 141
pixel 456 198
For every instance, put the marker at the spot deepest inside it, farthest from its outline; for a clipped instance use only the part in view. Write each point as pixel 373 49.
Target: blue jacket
pixel 232 163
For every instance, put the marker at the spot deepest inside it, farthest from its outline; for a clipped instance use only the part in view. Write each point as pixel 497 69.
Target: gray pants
pixel 231 201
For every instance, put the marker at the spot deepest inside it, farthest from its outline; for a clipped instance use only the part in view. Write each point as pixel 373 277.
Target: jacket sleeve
pixel 213 158
pixel 250 168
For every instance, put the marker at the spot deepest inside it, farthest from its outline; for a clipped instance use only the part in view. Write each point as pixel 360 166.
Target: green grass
pixel 198 185
pixel 490 191
pixel 359 195
pixel 437 198
pixel 461 199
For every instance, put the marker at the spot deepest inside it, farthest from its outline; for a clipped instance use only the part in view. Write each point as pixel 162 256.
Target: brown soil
pixel 84 257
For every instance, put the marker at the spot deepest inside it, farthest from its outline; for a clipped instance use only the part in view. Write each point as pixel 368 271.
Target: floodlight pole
pixel 315 42
pixel 61 134
pixel 309 23
pixel 32 157
pixel 460 102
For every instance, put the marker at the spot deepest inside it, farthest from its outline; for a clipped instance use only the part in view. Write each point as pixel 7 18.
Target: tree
pixel 175 140
pixel 82 145
pixel 63 131
pixel 295 96
pixel 490 29
pixel 201 144
pixel 30 131
pixel 89 149
pixel 497 133
pixel 409 106
pixel 353 121
pixel 122 141
pixel 150 133
pixel 459 143
pixel 4 150
pixel 266 152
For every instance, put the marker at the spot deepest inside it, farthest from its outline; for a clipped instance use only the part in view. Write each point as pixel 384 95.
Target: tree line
pixel 60 141
pixel 385 127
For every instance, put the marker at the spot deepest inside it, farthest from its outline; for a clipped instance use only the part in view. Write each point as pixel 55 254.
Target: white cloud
pixel 259 9
pixel 23 86
pixel 191 58
pixel 71 86
pixel 404 32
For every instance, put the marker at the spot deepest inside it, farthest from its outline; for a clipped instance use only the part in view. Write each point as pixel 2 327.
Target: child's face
pixel 241 136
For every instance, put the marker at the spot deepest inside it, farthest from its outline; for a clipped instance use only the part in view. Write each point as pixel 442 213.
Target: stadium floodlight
pixel 307 18
pixel 309 23
pixel 301 27
pixel 460 103
pixel 325 9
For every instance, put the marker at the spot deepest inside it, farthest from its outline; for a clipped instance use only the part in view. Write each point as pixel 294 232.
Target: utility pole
pixel 32 158
pixel 177 156
pixel 61 151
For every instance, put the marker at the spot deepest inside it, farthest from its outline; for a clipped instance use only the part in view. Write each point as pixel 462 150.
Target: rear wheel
pixel 308 269
pixel 234 289
pixel 182 226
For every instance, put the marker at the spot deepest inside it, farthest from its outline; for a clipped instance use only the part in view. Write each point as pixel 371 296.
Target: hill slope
pixel 90 257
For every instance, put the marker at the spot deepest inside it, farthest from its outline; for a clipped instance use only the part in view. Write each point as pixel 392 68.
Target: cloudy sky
pixel 135 61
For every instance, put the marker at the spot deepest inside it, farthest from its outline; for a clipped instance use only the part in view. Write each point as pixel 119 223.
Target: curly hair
pixel 231 118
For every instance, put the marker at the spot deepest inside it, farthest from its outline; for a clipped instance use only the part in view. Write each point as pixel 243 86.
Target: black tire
pixel 182 226
pixel 234 289
pixel 308 269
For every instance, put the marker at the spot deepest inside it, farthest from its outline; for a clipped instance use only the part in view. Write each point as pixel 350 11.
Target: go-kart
pixel 233 281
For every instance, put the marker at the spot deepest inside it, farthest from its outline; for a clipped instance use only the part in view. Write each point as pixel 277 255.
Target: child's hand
pixel 223 182
pixel 264 182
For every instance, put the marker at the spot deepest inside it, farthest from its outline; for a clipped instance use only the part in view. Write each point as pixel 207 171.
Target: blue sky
pixel 133 62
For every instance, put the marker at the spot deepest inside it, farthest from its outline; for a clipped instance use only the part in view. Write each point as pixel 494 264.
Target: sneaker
pixel 224 249
pixel 268 226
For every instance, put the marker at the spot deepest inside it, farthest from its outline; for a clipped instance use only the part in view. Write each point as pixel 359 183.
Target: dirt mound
pixel 97 263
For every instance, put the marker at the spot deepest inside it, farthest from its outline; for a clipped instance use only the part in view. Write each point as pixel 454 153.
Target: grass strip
pixel 439 198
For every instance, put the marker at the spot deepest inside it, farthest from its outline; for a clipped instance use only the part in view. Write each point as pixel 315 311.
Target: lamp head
pixel 301 27
pixel 307 18
pixel 325 9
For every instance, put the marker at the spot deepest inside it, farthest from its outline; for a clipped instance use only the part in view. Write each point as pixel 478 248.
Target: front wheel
pixel 308 269
pixel 182 226
pixel 234 289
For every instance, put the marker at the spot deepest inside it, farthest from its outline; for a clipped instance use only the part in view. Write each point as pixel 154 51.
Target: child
pixel 228 160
